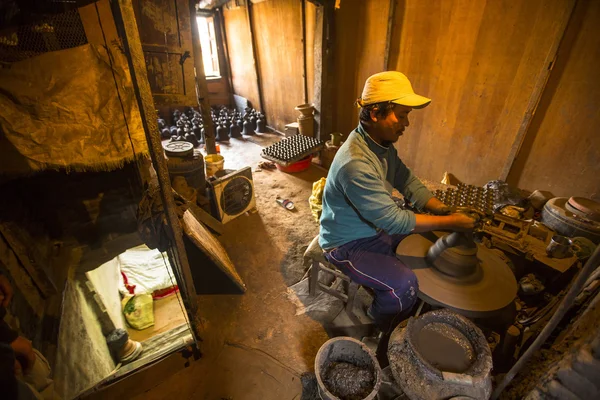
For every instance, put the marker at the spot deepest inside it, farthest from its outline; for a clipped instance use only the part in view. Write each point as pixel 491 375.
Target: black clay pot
pixel 235 131
pixel 261 126
pixel 248 128
pixel 222 134
pixel 197 131
pixel 202 138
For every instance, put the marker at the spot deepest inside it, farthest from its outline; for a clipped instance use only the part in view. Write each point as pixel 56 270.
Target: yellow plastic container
pixel 214 163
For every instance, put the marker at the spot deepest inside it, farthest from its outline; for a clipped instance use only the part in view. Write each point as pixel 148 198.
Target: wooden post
pixel 225 47
pixel 538 89
pixel 323 89
pixel 388 37
pixel 304 73
pixel 254 56
pixel 201 85
pixel 127 28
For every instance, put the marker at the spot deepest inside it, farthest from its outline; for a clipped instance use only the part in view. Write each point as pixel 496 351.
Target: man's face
pixel 392 127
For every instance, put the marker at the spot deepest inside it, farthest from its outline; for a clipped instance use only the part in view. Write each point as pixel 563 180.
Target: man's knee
pixel 407 288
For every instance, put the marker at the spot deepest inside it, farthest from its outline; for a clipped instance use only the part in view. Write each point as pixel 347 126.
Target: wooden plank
pixel 165 32
pixel 21 278
pixel 561 151
pixel 361 27
pixel 304 61
pixel 261 100
pixel 323 69
pixel 388 36
pixel 127 27
pixel 545 69
pixel 37 272
pixel 212 223
pixel 224 55
pixel 479 62
pixel 310 17
pixel 279 54
pixel 241 55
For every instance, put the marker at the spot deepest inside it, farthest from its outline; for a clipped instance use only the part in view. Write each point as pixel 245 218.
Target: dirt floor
pixel 254 346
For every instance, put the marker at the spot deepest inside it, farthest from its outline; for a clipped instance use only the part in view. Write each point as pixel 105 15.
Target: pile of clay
pixel 348 381
pixel 445 347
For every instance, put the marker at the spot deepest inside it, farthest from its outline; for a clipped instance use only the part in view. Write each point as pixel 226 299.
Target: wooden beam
pixel 388 37
pixel 538 89
pixel 255 57
pixel 304 73
pixel 201 85
pixel 127 27
pixel 323 89
pixel 225 47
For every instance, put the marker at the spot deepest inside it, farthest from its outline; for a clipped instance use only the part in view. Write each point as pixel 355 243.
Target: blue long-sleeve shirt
pixel 357 200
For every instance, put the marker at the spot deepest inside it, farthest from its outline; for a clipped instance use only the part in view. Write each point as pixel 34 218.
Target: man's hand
pixel 436 207
pixel 6 291
pixel 463 222
pixel 24 352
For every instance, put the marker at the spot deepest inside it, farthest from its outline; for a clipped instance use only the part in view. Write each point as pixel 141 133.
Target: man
pixel 361 225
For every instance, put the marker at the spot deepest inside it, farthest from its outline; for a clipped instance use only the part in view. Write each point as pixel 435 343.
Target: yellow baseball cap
pixel 392 86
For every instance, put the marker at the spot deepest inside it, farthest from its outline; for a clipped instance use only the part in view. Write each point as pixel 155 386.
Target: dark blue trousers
pixel 372 262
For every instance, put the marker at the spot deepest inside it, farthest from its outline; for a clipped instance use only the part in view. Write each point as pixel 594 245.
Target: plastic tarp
pixel 68 109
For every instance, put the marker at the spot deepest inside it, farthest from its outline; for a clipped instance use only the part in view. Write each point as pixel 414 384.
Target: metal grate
pixel 50 32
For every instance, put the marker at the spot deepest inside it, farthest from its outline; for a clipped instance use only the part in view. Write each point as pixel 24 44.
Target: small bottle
pixel 218 148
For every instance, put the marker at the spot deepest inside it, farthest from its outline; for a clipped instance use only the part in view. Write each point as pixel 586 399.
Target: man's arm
pixel 370 199
pixel 365 191
pixel 436 207
pixel 454 222
pixel 410 186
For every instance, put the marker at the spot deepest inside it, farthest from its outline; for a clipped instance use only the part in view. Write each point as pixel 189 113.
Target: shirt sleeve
pixel 410 186
pixel 367 194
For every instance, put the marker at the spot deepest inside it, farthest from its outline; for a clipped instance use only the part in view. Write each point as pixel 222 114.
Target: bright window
pixel 208 41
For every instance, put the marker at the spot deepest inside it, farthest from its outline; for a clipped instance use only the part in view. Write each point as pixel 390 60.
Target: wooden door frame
pixel 125 22
pixel 323 60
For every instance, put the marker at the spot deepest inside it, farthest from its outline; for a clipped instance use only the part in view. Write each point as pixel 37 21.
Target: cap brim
pixel 413 100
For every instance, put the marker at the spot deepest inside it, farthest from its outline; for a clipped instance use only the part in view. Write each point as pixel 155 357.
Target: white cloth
pixel 146 269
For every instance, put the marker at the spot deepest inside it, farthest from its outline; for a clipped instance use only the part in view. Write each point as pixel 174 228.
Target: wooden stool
pixel 314 257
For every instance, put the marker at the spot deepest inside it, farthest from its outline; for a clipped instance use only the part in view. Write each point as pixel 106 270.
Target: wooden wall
pixel 279 50
pixel 479 62
pixel 268 68
pixel 241 59
pixel 486 64
pixel 360 32
pixel 165 34
pixel 561 151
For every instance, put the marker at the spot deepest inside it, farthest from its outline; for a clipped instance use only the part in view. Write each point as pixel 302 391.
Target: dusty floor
pixel 254 346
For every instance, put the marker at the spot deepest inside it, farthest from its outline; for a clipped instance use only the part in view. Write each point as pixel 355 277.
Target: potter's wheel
pixel 486 288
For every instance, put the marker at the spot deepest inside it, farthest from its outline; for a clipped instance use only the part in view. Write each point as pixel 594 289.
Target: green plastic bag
pixel 138 310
